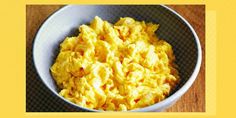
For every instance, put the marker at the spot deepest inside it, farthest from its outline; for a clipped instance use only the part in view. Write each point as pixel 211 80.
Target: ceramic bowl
pixel 173 28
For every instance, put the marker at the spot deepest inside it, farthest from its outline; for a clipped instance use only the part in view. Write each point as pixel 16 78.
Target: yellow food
pixel 115 67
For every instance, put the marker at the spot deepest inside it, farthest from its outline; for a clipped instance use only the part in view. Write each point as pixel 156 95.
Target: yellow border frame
pixel 13 72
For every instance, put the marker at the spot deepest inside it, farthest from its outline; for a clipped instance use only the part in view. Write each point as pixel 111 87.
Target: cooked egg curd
pixel 115 67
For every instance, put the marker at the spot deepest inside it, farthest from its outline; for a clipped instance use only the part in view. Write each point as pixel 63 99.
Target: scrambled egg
pixel 115 67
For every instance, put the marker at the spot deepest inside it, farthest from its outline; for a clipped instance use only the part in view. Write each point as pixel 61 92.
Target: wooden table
pixel 194 99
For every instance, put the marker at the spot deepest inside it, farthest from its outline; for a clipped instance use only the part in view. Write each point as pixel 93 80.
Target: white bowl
pixel 173 28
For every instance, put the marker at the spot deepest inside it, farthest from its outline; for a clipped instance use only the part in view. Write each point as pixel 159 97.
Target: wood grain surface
pixel 194 99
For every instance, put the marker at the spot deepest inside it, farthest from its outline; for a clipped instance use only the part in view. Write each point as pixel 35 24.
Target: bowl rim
pixel 169 100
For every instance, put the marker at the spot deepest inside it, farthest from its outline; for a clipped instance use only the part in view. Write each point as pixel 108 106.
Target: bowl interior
pixel 65 23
